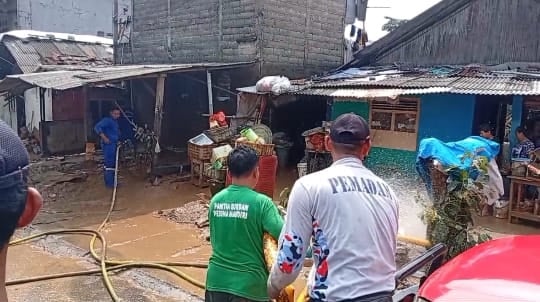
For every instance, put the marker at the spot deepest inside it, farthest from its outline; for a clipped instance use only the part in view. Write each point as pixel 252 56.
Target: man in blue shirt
pixel 109 132
pixel 525 147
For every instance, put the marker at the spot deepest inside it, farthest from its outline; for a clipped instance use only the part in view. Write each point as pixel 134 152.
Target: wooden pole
pixel 210 96
pixel 158 115
pixel 41 126
pixel 85 112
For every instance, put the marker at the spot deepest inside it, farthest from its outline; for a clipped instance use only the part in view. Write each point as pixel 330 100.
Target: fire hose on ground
pixel 107 266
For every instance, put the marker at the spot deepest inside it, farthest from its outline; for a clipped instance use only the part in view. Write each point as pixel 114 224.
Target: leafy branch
pixel 450 218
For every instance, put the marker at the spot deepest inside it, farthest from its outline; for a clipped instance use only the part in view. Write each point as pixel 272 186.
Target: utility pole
pixel 122 23
pixel 115 31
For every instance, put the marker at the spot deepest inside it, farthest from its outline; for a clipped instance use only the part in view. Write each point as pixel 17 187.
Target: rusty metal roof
pixel 482 85
pixel 77 76
pixel 30 53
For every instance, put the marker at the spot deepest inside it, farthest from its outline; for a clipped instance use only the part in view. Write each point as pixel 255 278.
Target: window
pixel 381 120
pixel 394 123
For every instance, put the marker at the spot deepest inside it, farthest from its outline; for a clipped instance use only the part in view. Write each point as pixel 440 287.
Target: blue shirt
pixel 109 127
pixel 523 149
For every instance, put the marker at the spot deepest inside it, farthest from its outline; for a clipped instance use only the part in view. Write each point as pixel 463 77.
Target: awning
pixel 69 78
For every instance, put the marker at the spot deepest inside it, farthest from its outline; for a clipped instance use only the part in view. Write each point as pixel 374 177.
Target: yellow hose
pixel 415 240
pixel 109 265
pixel 106 265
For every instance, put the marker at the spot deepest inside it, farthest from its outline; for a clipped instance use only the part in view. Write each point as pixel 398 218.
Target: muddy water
pixel 135 234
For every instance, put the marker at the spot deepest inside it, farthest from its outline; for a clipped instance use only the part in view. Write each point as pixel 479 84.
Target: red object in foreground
pixel 220 118
pixel 501 270
pixel 267 175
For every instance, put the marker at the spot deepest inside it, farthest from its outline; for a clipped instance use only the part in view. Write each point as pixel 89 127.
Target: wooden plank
pixel 394 140
pixel 525 181
pixel 512 200
pixel 85 113
pixel 525 216
pixel 210 96
pixel 158 114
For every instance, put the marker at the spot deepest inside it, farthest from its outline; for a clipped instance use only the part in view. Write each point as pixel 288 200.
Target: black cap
pixel 14 159
pixel 349 129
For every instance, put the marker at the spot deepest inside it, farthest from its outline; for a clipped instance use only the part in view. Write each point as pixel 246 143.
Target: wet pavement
pixel 134 233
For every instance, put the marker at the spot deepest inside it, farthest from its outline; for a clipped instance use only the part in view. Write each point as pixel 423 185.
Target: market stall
pixel 209 151
pixel 524 187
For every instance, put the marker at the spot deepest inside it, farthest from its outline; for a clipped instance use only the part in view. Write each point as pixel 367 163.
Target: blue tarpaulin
pixel 451 154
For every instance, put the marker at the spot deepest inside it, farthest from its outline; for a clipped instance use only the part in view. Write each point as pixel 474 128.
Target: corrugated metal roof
pixel 392 81
pixel 471 79
pixel 29 54
pixel 353 93
pixel 66 79
pixel 494 85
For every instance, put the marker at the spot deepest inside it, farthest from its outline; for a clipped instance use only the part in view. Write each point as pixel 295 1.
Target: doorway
pixel 492 110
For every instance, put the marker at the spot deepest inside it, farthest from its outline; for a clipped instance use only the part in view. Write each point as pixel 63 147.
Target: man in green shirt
pixel 238 218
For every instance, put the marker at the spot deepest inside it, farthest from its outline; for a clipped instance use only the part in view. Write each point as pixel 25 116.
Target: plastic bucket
pixel 249 134
pixel 302 169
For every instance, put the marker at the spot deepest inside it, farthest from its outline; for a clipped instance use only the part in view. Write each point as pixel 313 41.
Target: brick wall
pixel 198 31
pixel 302 37
pixel 290 37
pixel 8 15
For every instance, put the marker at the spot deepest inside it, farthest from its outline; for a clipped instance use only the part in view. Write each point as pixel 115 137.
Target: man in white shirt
pixel 352 216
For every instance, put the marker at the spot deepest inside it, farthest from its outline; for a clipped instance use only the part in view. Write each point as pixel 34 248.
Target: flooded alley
pixel 130 128
pixel 140 230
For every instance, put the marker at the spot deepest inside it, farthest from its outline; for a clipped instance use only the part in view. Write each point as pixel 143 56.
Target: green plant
pixel 450 219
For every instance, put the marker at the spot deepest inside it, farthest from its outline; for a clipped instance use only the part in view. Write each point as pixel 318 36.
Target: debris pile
pixel 191 213
pixel 31 140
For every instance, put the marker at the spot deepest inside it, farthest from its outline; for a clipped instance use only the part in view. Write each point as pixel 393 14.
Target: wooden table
pixel 516 196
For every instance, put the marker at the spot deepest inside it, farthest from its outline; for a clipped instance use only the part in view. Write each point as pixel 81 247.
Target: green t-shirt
pixel 238 218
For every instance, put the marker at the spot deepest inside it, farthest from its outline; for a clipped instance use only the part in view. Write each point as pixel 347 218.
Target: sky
pixel 400 9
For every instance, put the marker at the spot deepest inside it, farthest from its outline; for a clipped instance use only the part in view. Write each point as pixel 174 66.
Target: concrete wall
pixel 302 37
pixel 378 157
pixel 448 117
pixel 8 113
pixel 8 15
pixel 291 38
pixel 71 16
pixel 32 108
pixel 194 31
pixel 64 137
